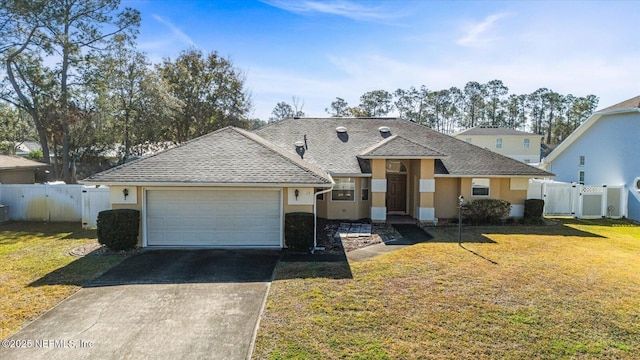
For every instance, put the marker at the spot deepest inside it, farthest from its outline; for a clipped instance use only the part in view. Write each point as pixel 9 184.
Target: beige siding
pixel 446 197
pixel 512 145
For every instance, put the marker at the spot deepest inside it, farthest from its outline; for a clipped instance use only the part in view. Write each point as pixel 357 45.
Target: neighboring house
pixel 603 151
pixel 18 170
pixel 27 147
pixel 519 145
pixel 237 192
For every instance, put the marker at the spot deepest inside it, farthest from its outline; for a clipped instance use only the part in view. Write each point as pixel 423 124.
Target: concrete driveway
pixel 158 304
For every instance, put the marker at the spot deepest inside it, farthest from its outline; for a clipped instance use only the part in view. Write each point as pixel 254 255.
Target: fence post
pixel 603 204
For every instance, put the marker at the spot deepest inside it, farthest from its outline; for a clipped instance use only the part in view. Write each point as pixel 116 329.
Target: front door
pixel 396 192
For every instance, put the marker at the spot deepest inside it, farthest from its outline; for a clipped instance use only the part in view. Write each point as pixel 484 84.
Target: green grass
pixel 565 291
pixel 37 272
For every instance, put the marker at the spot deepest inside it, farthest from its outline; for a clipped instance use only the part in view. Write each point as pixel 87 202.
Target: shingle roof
pixel 338 153
pixel 397 146
pixel 226 156
pixel 15 162
pixel 492 130
pixel 627 104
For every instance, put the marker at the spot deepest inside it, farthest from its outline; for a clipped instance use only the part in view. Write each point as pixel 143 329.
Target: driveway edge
pixel 252 345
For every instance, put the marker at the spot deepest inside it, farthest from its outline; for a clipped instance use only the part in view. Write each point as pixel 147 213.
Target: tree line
pixel 543 112
pixel 71 78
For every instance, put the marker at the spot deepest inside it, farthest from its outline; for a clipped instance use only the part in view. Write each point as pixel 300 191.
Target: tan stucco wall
pixel 499 188
pixel 351 210
pixel 446 197
pixel 23 176
pixel 286 208
pixel 137 206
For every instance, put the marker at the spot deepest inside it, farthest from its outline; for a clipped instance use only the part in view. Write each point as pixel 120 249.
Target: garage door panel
pixel 213 218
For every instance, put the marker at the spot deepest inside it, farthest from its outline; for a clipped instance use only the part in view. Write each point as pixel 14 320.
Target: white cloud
pixel 348 9
pixel 477 34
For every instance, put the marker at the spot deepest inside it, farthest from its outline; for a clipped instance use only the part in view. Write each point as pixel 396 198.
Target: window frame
pixel 338 188
pixel 526 143
pixel 320 197
pixel 478 183
pixel 581 177
pixel 581 160
pixel 499 143
pixel 364 189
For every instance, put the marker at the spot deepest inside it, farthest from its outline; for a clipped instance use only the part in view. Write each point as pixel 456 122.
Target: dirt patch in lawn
pixel 330 239
pixel 96 248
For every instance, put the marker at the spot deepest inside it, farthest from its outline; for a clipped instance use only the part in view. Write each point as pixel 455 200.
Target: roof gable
pixel 627 106
pixel 226 156
pixel 398 147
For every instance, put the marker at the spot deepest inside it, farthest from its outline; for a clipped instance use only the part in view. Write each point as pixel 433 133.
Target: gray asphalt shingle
pixel 338 153
pixel 226 156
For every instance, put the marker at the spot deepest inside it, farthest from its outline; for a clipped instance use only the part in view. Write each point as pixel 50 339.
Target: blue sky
pixel 318 50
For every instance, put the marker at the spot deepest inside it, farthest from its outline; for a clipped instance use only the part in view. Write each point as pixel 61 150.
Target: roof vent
pixel 384 129
pixel 299 143
pixel 341 129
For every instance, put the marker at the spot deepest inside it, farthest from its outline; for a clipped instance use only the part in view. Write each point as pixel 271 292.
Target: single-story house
pixel 18 170
pixel 603 151
pixel 237 192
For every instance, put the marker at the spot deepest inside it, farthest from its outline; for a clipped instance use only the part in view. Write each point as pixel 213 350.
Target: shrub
pixel 533 208
pixel 299 230
pixel 118 229
pixel 486 211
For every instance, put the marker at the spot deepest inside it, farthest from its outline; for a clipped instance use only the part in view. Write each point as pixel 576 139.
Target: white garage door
pixel 213 218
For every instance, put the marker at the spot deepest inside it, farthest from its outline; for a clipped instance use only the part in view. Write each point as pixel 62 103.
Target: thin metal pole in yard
pixel 460 202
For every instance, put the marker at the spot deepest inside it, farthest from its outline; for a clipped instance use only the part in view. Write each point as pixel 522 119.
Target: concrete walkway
pixel 200 304
pixel 411 235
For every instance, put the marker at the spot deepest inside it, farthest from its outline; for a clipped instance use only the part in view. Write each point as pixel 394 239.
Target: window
pixel 526 143
pixel 365 189
pixel 320 197
pixel 480 187
pixel 344 190
pixel 581 160
pixel 581 177
pixel 468 140
pixel 498 143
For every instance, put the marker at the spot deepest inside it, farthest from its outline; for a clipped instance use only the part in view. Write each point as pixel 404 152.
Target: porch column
pixel 378 190
pixel 427 188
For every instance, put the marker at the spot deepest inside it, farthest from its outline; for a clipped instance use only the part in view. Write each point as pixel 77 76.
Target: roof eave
pixel 203 184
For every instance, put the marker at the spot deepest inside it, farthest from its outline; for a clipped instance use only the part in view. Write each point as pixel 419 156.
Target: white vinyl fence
pixel 44 202
pixel 580 201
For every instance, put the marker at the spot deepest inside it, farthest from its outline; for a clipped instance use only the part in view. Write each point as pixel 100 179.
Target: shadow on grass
pixel 478 234
pixel 331 265
pixel 79 272
pixel 16 231
pixel 597 222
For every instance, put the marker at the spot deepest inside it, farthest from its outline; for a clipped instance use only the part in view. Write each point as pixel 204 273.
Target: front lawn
pixel 563 291
pixel 37 272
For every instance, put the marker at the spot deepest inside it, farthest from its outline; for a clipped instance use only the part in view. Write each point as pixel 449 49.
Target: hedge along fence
pixel 118 229
pixel 299 230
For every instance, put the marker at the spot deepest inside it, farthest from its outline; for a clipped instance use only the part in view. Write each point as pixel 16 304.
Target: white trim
pixel 378 185
pixel 378 213
pixel 426 214
pixel 188 184
pixel 516 211
pixel 427 185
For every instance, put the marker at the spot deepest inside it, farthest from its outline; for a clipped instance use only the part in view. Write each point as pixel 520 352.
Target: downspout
pixel 315 218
